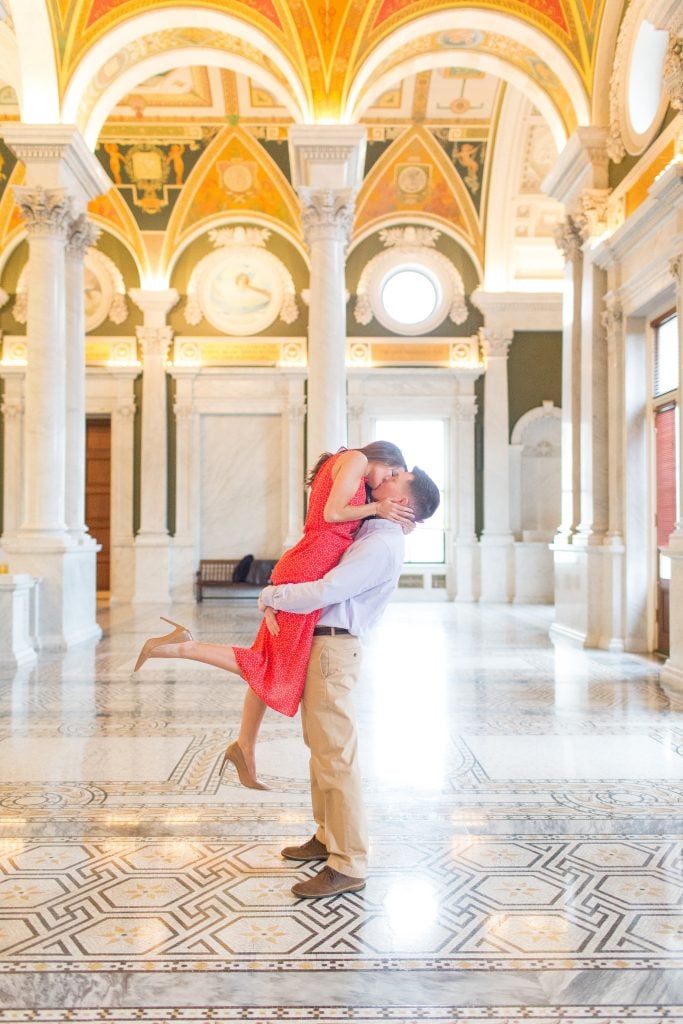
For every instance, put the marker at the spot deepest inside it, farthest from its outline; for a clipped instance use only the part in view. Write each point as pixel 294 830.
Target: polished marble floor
pixel 525 804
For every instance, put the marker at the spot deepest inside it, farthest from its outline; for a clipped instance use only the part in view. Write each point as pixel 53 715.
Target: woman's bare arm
pixel 346 475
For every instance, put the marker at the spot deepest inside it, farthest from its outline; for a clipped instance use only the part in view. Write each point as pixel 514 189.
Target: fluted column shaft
pixel 48 214
pixel 327 216
pixel 81 235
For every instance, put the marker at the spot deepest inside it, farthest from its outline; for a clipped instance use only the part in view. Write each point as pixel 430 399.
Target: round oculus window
pixel 645 77
pixel 410 296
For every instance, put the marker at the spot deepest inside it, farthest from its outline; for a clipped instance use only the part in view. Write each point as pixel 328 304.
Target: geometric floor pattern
pixel 525 804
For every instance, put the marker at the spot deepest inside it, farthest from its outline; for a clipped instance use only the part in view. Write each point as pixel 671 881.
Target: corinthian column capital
pixel 82 234
pixel 612 316
pixel 46 212
pixel 495 342
pixel 155 341
pixel 568 239
pixel 327 213
pixel 592 220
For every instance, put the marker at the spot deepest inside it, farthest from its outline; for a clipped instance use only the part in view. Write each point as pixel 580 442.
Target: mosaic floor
pixel 525 804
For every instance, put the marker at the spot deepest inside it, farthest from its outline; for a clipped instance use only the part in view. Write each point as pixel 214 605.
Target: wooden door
pixel 98 492
pixel 665 484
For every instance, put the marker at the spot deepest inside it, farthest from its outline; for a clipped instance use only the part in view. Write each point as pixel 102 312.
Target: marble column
pixel 466 548
pixel 122 576
pixel 12 410
pixel 185 543
pixel 152 544
pixel 327 169
pixel 82 234
pixel 568 238
pixel 613 542
pixel 327 217
pixel 61 176
pixel 672 672
pixel 497 552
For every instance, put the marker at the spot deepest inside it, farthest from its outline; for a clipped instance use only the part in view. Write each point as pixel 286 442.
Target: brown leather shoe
pixel 312 850
pixel 327 882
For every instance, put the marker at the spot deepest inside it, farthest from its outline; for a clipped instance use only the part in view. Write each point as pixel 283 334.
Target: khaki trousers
pixel 329 727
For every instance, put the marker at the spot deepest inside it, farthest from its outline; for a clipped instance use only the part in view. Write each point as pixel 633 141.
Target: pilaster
pixel 122 448
pixel 672 673
pixel 466 548
pixel 497 556
pixel 12 410
pixel 152 544
pixel 185 544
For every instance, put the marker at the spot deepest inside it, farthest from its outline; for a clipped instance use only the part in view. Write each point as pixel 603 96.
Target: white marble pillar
pixel 12 410
pixel 327 169
pixel 672 673
pixel 185 543
pixel 152 544
pixel 568 238
pixel 466 548
pixel 327 217
pixel 497 553
pixel 82 234
pixel 612 637
pixel 61 176
pixel 122 573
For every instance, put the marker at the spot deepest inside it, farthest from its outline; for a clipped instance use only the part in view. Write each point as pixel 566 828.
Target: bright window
pixel 423 443
pixel 666 356
pixel 409 296
pixel 645 77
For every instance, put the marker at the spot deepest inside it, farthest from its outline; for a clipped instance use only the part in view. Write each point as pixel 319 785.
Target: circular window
pixel 409 296
pixel 645 101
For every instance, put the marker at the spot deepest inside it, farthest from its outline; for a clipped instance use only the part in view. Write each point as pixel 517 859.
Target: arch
pixel 540 412
pixel 230 43
pixel 38 89
pixel 608 33
pixel 505 25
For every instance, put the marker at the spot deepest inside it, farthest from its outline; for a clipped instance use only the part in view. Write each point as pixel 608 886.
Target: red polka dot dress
pixel 275 666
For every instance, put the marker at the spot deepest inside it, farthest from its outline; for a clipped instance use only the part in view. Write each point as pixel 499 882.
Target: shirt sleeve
pixel 365 565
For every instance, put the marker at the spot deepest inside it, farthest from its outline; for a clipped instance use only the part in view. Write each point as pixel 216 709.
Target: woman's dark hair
pixel 424 495
pixel 376 451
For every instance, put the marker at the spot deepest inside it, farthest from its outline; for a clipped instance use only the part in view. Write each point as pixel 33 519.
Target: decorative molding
pixel 82 234
pixel 358 353
pixel 60 155
pixel 327 156
pixel 673 72
pixel 612 317
pixel 466 408
pixel 4 297
pixel 465 353
pixel 327 214
pixel 583 163
pixel 12 408
pixel 569 239
pixel 547 410
pixel 676 269
pixel 125 412
pixel 46 212
pixel 409 236
pixel 667 15
pixel 240 236
pixel 414 256
pixel 20 307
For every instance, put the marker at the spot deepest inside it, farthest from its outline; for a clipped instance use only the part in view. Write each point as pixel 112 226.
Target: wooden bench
pixel 217 573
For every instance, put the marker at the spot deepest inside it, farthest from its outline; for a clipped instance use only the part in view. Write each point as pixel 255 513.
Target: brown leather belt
pixel 330 631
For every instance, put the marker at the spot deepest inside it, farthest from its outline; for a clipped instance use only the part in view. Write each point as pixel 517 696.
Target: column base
pixel 122 571
pixel 588 598
pixel 152 569
pixel 466 558
pixel 496 553
pixel 67 587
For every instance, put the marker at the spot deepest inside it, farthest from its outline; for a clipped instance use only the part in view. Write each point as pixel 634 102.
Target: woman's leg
pixel 253 711
pixel 218 655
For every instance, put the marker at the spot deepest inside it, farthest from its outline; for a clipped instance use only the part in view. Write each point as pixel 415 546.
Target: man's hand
pixel 394 511
pixel 271 621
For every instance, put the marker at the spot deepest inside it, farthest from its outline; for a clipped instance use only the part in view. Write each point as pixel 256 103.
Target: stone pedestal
pixel 327 169
pixel 16 647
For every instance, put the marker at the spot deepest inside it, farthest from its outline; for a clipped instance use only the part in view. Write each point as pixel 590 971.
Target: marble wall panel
pixel 241 484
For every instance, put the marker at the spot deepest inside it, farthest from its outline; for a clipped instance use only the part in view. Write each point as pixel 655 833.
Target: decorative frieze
pixel 46 212
pixel 568 239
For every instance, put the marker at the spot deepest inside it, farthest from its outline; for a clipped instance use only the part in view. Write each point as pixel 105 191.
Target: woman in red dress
pixel 275 666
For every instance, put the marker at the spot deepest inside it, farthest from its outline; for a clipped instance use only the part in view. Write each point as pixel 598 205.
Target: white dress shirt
pixel 354 594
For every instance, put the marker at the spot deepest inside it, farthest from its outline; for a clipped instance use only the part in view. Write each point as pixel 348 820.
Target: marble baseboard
pixel 357 1015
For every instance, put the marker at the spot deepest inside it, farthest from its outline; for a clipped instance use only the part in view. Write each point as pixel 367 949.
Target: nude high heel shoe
pixel 234 754
pixel 179 636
